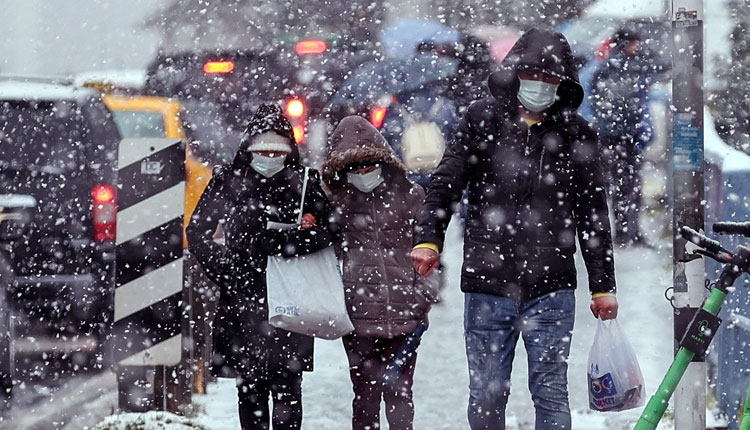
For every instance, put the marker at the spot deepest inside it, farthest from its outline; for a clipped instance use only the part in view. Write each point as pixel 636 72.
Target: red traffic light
pixel 310 47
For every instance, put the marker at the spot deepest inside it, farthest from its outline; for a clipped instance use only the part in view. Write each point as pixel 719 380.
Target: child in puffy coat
pixel 375 207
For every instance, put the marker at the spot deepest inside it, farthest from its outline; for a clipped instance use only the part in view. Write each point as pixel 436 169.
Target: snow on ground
pixel 152 420
pixel 441 378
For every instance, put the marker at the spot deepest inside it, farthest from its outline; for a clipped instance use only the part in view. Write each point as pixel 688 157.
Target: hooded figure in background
pixel 262 184
pixel 475 64
pixel 535 182
pixel 620 103
pixel 376 208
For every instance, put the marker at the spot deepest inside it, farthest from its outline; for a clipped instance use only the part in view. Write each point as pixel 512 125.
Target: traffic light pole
pixel 687 192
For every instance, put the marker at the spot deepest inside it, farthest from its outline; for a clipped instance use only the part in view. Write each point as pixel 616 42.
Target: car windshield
pixel 139 123
pixel 42 135
pixel 212 140
pixel 183 77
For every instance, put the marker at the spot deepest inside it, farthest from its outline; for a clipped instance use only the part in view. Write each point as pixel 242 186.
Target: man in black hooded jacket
pixel 535 182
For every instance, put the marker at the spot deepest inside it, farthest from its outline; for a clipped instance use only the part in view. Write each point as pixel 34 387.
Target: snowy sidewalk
pixel 441 379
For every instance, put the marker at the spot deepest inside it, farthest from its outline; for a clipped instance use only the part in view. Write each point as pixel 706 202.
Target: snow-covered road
pixel 441 379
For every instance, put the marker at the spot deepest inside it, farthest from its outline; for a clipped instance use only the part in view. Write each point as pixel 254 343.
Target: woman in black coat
pixel 264 183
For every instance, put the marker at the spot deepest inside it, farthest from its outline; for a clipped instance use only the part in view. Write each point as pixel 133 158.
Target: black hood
pixel 543 51
pixel 268 117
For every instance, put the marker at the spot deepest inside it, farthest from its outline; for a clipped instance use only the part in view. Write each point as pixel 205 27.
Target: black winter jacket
pixel 531 190
pixel 242 201
pixel 619 95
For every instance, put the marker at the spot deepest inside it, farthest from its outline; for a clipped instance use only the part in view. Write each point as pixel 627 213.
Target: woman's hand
pixel 308 221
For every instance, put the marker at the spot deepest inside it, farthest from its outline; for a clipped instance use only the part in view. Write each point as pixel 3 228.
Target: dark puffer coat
pixel 242 201
pixel 531 189
pixel 385 296
pixel 619 96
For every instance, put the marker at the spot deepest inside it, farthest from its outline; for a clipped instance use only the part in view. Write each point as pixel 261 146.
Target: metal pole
pixel 687 179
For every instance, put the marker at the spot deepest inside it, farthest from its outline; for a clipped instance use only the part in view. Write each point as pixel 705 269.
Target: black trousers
pixel 285 388
pixel 624 165
pixel 369 359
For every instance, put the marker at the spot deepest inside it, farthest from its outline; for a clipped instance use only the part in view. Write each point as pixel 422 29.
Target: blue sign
pixel 688 144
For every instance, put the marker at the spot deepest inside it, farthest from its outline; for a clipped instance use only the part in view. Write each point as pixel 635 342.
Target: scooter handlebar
pixel 701 240
pixel 728 227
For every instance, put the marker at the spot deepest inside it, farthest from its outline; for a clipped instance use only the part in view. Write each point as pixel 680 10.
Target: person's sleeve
pixel 300 241
pixel 428 286
pixel 206 217
pixel 592 215
pixel 446 187
pixel 427 245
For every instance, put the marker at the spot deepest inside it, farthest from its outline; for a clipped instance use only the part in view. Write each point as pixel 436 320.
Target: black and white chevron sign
pixel 151 207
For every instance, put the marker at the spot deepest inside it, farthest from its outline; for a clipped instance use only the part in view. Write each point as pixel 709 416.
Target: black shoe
pixel 6 392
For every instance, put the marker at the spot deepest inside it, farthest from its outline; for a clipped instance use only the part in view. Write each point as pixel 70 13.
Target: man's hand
pixel 425 261
pixel 308 220
pixel 604 307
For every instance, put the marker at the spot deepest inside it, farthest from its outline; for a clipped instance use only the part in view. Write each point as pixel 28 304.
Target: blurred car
pixel 121 81
pixel 15 217
pixel 58 144
pixel 221 89
pixel 148 116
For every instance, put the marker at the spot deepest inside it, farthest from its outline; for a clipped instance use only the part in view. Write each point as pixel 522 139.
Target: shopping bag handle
pixel 304 191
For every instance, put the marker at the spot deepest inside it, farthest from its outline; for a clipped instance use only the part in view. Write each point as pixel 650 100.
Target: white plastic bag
pixel 306 293
pixel 615 379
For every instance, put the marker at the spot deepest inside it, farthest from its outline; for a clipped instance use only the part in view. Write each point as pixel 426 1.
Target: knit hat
pixel 270 141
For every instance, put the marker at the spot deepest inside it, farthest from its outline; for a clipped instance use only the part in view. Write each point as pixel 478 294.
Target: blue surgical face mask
pixel 267 166
pixel 366 182
pixel 536 96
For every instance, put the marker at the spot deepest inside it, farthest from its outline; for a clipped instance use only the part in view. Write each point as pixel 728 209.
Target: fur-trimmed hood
pixel 355 140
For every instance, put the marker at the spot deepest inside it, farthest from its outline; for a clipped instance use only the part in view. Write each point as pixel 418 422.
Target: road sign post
pixel 149 306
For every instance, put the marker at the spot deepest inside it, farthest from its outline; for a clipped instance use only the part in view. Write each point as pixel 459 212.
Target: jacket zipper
pixel 528 152
pixel 528 141
pixel 385 270
pixel 541 164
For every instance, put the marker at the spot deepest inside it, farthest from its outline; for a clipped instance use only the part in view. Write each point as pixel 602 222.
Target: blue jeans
pixel 492 326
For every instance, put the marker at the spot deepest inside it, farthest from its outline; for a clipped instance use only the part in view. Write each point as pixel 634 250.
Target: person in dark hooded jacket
pixel 620 101
pixel 262 184
pixel 376 208
pixel 535 182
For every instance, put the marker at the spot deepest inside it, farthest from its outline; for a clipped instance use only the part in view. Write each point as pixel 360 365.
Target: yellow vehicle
pixel 148 116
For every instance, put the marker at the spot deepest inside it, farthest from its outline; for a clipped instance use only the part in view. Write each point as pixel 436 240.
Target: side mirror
pixel 16 214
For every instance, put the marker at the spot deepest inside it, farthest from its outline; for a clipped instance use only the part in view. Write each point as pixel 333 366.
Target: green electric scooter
pixel 705 322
